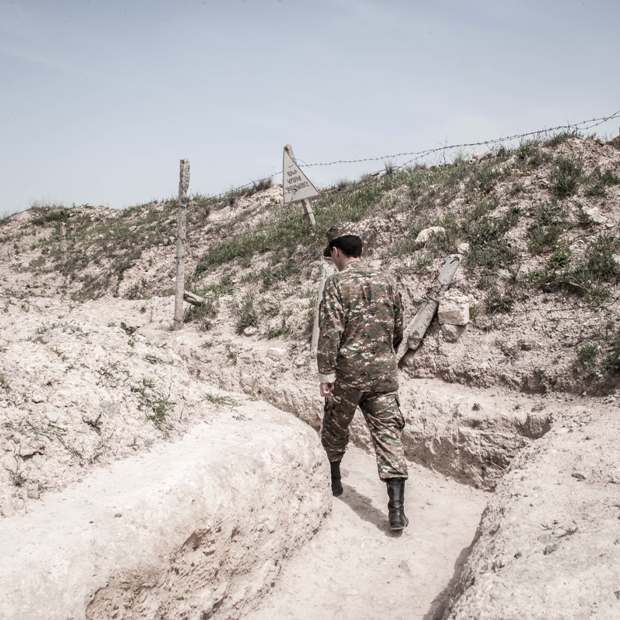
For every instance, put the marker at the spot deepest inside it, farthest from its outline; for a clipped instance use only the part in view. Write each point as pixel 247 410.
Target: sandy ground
pixel 354 568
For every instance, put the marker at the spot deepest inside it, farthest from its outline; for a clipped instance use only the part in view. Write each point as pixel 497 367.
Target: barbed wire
pixel 586 124
pixel 595 122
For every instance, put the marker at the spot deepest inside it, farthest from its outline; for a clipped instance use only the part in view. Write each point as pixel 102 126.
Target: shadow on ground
pixel 362 506
pixel 438 606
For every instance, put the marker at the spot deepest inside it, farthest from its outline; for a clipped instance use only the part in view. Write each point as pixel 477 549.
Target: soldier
pixel 361 326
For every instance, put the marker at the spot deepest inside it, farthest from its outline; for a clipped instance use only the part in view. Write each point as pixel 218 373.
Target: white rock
pixel 250 331
pixel 463 248
pixel 277 354
pixel 424 236
pixel 595 215
pixel 453 309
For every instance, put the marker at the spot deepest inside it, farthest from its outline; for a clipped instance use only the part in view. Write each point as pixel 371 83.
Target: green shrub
pixel 588 276
pixel 489 246
pixel 598 182
pixel 600 263
pixel 60 215
pixel 280 273
pixel 587 355
pixel 564 177
pixel 246 313
pixel 483 178
pixel 548 223
pixel 561 137
pixel 497 302
pixel 283 329
pixel 204 314
pixel 612 360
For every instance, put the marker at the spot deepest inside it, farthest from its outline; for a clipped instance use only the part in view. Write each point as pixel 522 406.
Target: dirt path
pixel 355 569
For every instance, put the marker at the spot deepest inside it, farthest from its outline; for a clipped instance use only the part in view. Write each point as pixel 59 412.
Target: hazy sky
pixel 101 98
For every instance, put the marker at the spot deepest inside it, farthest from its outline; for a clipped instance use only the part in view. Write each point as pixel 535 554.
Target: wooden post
pixel 181 236
pixel 310 213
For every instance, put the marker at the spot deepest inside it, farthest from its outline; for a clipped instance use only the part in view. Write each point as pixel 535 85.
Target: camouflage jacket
pixel 360 328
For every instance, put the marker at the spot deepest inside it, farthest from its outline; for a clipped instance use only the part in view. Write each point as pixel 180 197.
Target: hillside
pixel 539 226
pixel 96 390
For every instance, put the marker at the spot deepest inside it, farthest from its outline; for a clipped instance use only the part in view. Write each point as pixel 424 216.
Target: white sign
pixel 296 185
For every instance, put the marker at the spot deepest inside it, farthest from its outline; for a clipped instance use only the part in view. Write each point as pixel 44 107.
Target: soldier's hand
pixel 327 389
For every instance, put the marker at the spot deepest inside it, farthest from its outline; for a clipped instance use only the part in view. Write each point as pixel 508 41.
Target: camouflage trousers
pixel 383 418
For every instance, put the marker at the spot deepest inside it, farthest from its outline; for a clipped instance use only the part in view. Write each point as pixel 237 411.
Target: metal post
pixel 181 236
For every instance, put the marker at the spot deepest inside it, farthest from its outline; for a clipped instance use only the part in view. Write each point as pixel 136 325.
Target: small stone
pixel 33 491
pixel 277 354
pixel 550 549
pixel 526 344
pixel 463 248
pixel 300 361
pixel 450 333
pixel 250 331
pixel 424 236
pixel 37 398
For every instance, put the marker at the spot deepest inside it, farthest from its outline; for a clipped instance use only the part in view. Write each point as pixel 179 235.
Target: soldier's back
pixel 366 358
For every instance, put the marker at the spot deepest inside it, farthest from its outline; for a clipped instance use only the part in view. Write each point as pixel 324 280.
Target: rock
pixel 453 309
pixel 451 333
pixel 424 236
pixel 37 398
pixel 300 361
pixel 594 215
pixel 250 331
pixel 526 344
pixel 278 354
pixel 463 248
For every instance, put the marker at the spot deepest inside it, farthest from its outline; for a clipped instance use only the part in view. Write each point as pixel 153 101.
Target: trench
pixel 354 567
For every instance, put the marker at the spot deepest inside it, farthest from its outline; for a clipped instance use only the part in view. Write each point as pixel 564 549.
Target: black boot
pixel 396 504
pixel 336 484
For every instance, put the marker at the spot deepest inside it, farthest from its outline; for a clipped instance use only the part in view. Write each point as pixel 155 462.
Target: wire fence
pixel 416 156
pixel 608 309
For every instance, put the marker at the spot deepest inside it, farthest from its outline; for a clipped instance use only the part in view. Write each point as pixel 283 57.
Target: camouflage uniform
pixel 361 326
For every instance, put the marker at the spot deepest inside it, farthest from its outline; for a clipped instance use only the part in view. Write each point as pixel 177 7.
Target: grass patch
pixel 561 137
pixel 497 302
pixel 489 246
pixel 217 399
pixel 155 405
pixel 598 182
pixel 203 315
pixel 587 277
pixel 280 330
pixel 224 286
pixel 279 273
pixel 58 215
pixel 587 355
pixel 548 223
pixel 612 360
pixel 291 228
pixel 565 176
